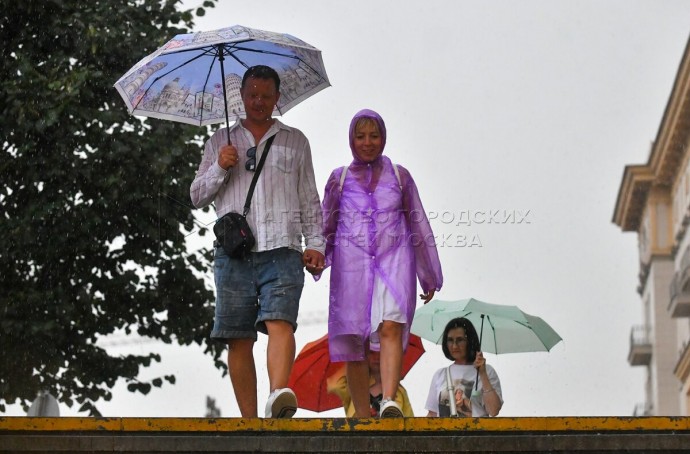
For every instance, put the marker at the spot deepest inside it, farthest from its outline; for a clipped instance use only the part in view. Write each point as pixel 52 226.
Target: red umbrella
pixel 313 367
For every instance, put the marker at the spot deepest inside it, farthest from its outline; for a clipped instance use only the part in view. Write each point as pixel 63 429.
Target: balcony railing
pixel 679 304
pixel 640 346
pixel 682 369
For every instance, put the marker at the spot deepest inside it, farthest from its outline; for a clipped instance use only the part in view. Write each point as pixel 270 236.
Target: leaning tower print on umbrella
pixel 195 77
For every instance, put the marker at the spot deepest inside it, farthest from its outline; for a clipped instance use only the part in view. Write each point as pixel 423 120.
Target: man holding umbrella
pixel 261 292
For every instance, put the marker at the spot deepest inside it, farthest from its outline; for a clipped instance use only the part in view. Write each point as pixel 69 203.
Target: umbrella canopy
pixel 313 368
pixel 195 78
pixel 502 329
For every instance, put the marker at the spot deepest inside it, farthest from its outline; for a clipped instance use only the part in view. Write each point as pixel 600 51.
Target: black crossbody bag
pixel 232 230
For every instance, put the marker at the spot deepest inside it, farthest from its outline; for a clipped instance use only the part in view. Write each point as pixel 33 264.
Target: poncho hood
pixel 367 113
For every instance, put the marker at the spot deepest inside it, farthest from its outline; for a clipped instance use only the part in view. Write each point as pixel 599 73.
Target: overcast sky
pixel 531 108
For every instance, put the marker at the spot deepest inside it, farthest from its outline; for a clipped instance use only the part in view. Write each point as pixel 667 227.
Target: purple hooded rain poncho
pixel 378 241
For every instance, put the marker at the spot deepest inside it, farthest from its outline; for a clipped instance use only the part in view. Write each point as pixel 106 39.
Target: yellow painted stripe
pixel 61 424
pixel 500 424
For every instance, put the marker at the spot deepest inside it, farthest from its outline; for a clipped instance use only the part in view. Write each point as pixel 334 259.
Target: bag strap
pixel 397 175
pixel 344 172
pixel 451 393
pixel 342 177
pixel 259 166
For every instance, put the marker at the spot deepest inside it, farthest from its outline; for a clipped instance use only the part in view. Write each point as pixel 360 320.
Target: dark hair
pixel 470 332
pixel 262 72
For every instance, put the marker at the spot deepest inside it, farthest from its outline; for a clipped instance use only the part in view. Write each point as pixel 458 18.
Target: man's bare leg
pixel 243 375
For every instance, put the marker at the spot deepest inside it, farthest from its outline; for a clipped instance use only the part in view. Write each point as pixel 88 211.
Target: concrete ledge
pixel 339 435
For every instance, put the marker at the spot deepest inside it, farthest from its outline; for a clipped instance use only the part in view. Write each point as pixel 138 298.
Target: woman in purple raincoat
pixel 378 242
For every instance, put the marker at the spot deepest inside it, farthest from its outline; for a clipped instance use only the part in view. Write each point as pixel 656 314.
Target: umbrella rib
pixel 232 47
pixel 311 69
pixel 208 50
pixel 493 331
pixel 203 89
pixel 230 54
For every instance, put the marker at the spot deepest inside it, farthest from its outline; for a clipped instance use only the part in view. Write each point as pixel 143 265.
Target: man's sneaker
pixel 282 403
pixel 390 409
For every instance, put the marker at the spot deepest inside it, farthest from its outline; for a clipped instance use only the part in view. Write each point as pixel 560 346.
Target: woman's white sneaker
pixel 282 403
pixel 390 409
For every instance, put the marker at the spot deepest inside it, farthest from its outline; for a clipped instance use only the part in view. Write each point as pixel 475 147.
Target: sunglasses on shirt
pixel 250 165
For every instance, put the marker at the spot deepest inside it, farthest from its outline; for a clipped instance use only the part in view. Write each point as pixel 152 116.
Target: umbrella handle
pixel 221 58
pixel 481 334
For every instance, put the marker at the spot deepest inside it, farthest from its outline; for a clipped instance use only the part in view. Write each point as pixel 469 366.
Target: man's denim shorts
pixel 264 286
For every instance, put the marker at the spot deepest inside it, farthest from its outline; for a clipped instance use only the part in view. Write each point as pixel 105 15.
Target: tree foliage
pixel 94 202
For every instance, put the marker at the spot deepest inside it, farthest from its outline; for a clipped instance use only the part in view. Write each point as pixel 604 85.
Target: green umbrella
pixel 502 329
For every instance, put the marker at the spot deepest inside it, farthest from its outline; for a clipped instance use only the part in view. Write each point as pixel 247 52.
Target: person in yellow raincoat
pixel 337 384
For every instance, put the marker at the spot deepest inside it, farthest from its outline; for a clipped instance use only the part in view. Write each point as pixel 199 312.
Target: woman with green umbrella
pixel 468 387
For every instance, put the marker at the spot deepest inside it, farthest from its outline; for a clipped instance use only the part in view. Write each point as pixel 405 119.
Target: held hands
pixel 427 296
pixel 228 157
pixel 313 261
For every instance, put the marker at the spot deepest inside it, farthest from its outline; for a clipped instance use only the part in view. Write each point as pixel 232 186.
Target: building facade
pixel 654 201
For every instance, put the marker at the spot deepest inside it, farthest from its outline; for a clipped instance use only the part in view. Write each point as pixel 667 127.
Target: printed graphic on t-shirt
pixel 462 393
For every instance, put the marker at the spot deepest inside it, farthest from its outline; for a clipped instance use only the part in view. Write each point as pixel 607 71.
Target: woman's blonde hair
pixel 366 121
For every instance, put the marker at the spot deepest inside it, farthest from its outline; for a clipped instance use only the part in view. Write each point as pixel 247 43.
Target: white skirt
pixel 383 307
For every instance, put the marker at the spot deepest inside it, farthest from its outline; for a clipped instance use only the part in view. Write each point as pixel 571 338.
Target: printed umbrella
pixel 508 329
pixel 313 367
pixel 195 77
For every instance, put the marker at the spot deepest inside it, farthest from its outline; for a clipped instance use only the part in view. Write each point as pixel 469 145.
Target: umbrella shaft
pixel 221 58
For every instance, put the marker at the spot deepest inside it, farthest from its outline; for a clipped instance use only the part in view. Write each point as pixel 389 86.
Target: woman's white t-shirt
pixel 463 377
